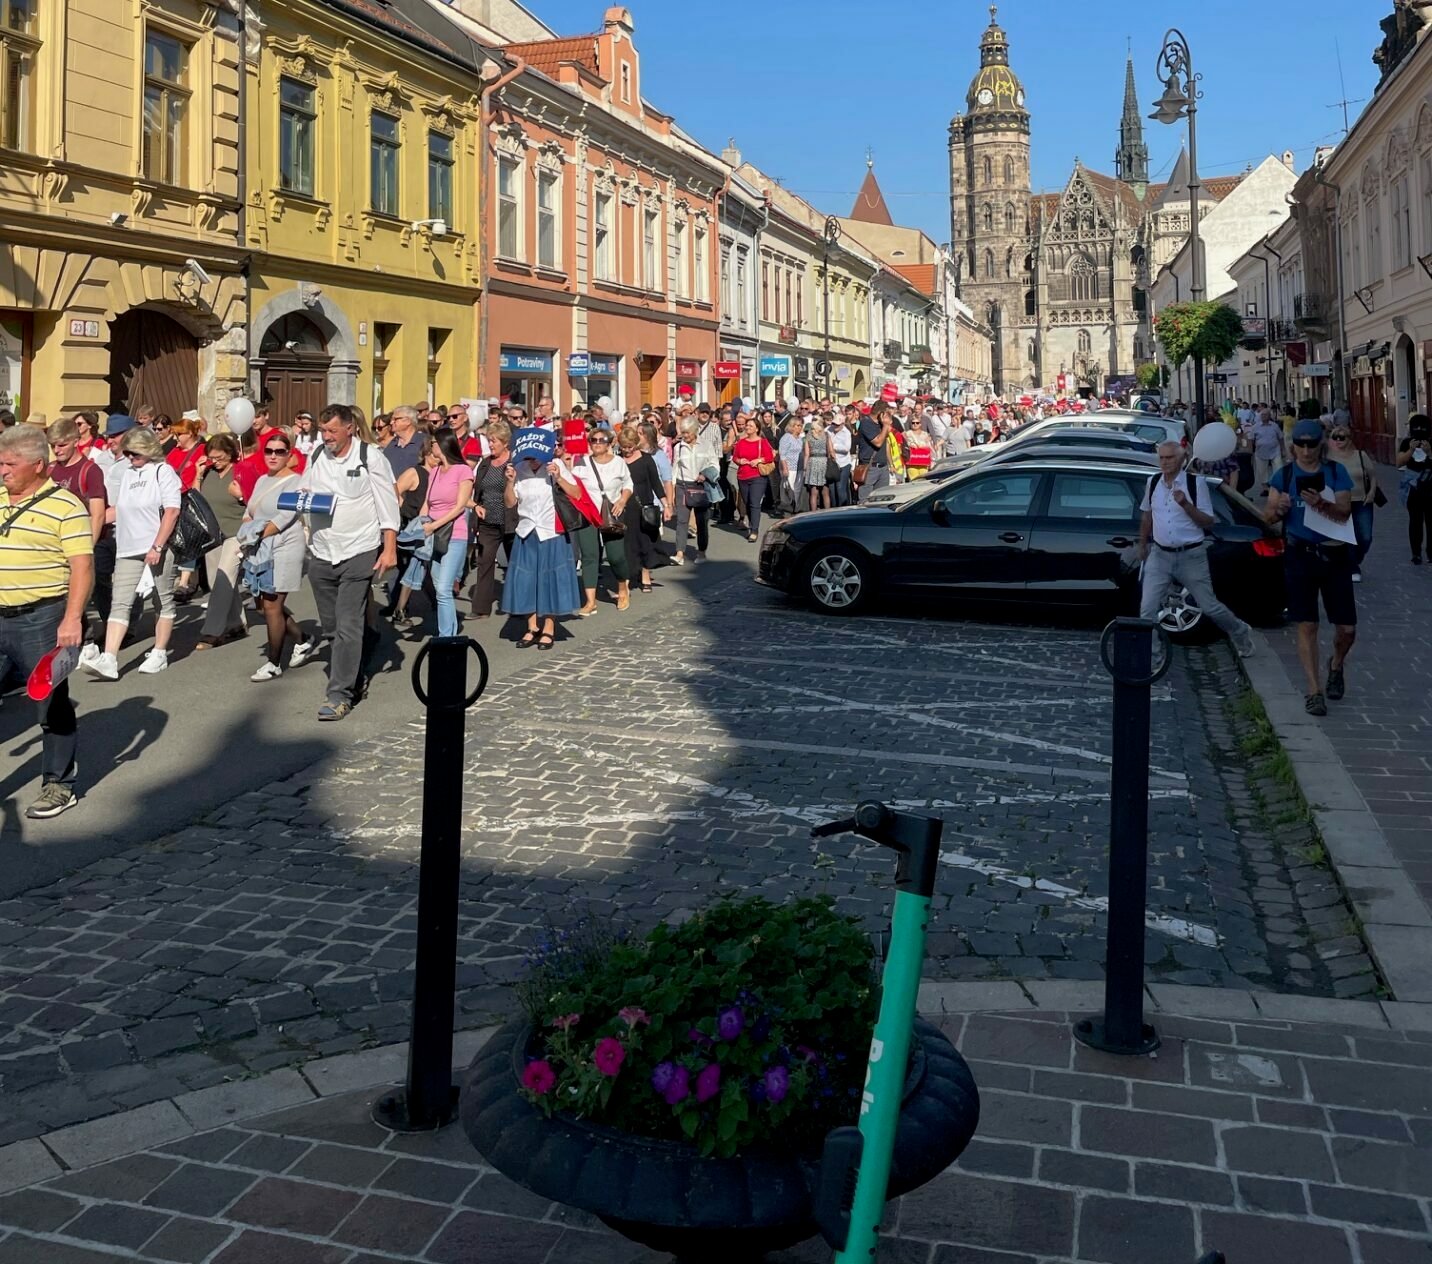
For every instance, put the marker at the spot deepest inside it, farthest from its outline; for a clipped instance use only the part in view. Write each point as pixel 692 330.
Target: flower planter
pixel 664 1194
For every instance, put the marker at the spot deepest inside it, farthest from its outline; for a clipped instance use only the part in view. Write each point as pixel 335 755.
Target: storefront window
pixel 14 362
pixel 603 378
pixel 526 375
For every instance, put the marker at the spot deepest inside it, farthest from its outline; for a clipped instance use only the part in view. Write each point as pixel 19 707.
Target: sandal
pixel 647 588
pixel 546 641
pixel 528 641
pixel 209 642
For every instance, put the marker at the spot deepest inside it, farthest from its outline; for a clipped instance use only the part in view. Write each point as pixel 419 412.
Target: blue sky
pixel 806 85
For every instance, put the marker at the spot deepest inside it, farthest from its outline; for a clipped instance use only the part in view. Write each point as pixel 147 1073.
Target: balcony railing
pixel 893 348
pixel 1309 309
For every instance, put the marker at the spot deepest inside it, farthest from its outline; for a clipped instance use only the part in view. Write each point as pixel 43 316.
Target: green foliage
pixel 1207 330
pixel 748 1022
pixel 1151 376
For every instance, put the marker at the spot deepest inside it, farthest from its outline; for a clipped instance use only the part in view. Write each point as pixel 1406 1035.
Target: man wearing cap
pixel 46 572
pixel 107 453
pixel 1314 564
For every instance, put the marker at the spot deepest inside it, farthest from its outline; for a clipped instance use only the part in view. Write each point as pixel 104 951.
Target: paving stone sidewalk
pixel 1280 1142
pixel 283 927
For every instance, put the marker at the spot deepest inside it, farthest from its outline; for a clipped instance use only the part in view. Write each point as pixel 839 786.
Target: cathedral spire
pixel 1131 162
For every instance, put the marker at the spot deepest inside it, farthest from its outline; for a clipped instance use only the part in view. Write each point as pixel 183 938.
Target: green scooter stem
pixel 885 1073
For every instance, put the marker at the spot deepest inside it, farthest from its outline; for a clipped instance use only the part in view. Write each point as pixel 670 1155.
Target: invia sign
pixel 525 362
pixel 775 366
pixel 579 364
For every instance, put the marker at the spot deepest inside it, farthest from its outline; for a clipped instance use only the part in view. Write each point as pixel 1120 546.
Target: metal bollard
pixel 429 1099
pixel 1122 1029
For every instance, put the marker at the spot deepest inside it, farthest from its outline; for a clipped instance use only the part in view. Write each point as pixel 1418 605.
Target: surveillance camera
pixel 118 217
pixel 198 270
pixel 439 228
pixel 290 345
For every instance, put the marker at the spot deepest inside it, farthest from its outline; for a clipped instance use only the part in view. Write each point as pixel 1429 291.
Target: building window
pixel 547 252
pixel 383 175
pixel 989 265
pixel 650 277
pixel 509 208
pixel 1009 220
pixel 742 319
pixel 988 171
pixel 1374 240
pixel 166 107
pixel 18 49
pixel 437 342
pixel 440 163
pixel 726 301
pixel 790 310
pixel 1083 280
pixel 1086 343
pixel 297 114
pixel 989 217
pixel 383 339
pixel 602 237
pixel 1427 202
pixel 1009 170
pixel 1401 224
pixel 1354 246
pixel 702 288
pixel 765 290
pixel 678 260
pixel 626 83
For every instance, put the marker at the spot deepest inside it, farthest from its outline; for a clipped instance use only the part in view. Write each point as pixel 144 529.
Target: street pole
pixel 831 235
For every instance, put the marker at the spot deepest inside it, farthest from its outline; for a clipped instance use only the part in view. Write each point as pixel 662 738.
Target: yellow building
pixel 361 211
pixel 120 260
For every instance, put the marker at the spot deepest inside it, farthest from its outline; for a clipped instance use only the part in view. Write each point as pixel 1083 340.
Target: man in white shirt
pixel 1174 547
pixel 939 430
pixel 348 548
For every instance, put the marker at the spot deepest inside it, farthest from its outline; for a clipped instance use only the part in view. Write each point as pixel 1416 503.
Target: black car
pixel 1082 438
pixel 1048 533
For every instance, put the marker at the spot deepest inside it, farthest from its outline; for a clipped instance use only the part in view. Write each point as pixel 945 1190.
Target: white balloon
pixel 1215 442
pixel 617 418
pixel 239 413
pixel 605 403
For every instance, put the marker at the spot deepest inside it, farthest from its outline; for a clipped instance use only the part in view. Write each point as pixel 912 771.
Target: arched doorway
pixel 152 360
pixel 857 387
pixel 295 367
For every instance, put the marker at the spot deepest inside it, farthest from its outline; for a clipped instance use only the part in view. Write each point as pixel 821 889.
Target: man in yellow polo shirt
pixel 46 572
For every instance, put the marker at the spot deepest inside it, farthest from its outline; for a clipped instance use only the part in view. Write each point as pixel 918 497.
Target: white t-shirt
pixel 536 510
pixel 840 442
pixel 615 478
pixel 1173 528
pixel 140 496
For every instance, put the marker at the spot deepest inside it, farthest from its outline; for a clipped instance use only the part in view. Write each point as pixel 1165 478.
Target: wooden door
pixel 648 367
pixel 295 387
pixel 153 360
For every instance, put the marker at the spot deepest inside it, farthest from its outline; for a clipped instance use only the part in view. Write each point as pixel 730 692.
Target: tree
pixel 1151 376
pixel 1205 331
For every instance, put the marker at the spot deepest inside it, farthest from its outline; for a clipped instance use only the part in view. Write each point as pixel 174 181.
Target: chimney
pixel 617 21
pixel 731 156
pixel 1288 160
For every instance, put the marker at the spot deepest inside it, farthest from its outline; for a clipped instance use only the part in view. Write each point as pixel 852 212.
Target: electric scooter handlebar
pixel 915 838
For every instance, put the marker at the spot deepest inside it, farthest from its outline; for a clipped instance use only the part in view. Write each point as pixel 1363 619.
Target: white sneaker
pixel 105 666
pixel 88 653
pixel 1357 577
pixel 154 663
pixel 269 671
pixel 302 652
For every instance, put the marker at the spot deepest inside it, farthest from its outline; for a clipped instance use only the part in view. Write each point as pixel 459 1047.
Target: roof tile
pixel 548 55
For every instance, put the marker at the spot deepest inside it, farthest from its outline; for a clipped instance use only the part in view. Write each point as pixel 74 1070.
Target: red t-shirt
pixel 185 464
pixel 84 478
pixel 253 467
pixel 752 450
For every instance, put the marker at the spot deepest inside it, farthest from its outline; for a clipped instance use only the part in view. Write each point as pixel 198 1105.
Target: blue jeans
pixel 446 571
pixel 1362 518
pixel 24 640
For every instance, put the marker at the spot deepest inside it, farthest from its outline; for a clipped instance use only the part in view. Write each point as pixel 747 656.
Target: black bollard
pixel 1122 1029
pixel 429 1099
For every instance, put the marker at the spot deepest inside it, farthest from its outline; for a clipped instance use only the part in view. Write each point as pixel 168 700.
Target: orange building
pixel 602 234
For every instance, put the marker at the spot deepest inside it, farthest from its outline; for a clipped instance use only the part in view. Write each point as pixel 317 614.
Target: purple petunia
pixel 675 1082
pixel 730 1022
pixel 708 1083
pixel 777 1083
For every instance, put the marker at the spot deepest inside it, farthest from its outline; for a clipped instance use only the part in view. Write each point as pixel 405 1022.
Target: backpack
pixel 1189 487
pixel 362 454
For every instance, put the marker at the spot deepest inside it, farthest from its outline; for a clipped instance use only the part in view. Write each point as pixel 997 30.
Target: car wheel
pixel 837 579
pixel 1181 617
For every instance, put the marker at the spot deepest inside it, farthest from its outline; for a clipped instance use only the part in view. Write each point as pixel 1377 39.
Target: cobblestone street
pixel 282 926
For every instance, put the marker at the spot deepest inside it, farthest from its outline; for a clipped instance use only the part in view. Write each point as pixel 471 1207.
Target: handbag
pixel 442 539
pixel 612 528
pixel 859 474
pixel 571 518
pixel 1378 499
pixel 197 530
pixel 695 495
pixel 651 517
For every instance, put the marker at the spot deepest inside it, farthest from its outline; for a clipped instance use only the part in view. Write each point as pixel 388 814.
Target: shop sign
pixel 604 366
pixel 511 360
pixel 775 366
pixel 723 370
pixel 579 364
pixel 688 368
pixel 803 366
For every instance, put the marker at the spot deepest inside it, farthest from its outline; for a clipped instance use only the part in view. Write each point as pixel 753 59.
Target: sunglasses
pixel 602 439
pixel 1307 443
pixel 276 451
pixel 1340 435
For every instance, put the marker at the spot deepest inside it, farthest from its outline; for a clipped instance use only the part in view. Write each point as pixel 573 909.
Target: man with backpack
pixel 1177 512
pixel 348 547
pixel 1314 563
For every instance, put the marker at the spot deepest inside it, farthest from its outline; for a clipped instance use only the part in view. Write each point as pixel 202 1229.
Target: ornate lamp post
pixel 1180 100
pixel 831 233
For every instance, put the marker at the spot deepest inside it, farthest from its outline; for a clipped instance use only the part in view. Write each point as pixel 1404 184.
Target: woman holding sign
pixel 541 580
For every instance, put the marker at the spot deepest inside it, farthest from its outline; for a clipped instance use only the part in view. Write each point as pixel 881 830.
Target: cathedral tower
pixel 1131 161
pixel 989 209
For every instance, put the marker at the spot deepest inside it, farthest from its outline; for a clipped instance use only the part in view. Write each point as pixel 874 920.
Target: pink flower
pixel 566 1021
pixel 633 1015
pixel 609 1055
pixel 708 1083
pixel 538 1077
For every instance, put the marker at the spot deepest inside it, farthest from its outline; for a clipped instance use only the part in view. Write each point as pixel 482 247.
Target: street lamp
pixel 831 233
pixel 1180 100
